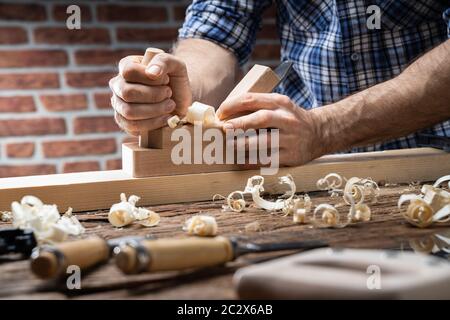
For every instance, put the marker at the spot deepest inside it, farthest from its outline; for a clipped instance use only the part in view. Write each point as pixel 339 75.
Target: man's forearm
pixel 212 69
pixel 416 99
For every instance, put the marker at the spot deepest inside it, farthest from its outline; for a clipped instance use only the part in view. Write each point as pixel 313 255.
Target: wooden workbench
pixel 386 230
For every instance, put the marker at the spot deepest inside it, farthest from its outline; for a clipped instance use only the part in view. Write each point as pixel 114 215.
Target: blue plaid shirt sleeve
pixel 447 20
pixel 230 24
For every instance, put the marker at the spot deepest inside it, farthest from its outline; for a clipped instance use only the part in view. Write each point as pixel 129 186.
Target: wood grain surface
pixel 386 230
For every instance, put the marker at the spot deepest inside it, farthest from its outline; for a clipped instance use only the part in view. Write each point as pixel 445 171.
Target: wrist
pixel 325 132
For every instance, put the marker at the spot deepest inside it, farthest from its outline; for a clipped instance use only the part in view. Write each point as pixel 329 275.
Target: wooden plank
pixel 387 229
pixel 97 190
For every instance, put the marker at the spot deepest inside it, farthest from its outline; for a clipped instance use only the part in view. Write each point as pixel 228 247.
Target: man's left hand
pixel 299 140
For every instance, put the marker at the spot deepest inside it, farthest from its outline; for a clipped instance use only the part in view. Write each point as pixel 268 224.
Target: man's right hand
pixel 145 97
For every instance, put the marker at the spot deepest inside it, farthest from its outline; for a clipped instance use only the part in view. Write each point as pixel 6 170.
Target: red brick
pixel 64 102
pixel 13 35
pixel 29 80
pixel 25 12
pixel 131 13
pixel 26 170
pixel 270 13
pixel 114 164
pixel 179 12
pixel 55 35
pixel 32 58
pixel 32 127
pixel 81 166
pixel 130 139
pixel 17 104
pixel 69 148
pixel 269 32
pixel 20 150
pixel 95 124
pixel 60 12
pixel 266 52
pixel 89 79
pixel 146 34
pixel 103 56
pixel 103 100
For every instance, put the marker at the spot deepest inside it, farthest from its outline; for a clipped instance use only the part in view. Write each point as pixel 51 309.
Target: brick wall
pixel 55 114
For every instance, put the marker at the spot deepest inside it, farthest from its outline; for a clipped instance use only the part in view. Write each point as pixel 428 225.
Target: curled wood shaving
pixel 125 212
pixel 5 216
pixel 431 206
pixel 329 216
pixel 329 182
pixel 201 225
pixel 197 113
pixel 236 204
pixel 45 221
pixel 255 188
pixel 173 122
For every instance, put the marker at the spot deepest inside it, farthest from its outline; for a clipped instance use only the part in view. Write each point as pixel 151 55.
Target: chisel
pixel 194 252
pixel 49 262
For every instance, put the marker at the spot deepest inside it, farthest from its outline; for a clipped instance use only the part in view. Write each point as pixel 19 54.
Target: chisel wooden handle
pixel 51 262
pixel 174 254
pixel 148 56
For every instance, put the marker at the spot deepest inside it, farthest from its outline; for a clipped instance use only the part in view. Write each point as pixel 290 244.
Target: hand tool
pixel 346 274
pixel 193 252
pixel 14 240
pixel 49 261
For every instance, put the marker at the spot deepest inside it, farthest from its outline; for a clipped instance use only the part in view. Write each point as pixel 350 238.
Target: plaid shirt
pixel 335 54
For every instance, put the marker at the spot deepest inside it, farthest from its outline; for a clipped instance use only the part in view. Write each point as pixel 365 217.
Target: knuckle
pixel 128 71
pixel 264 117
pixel 127 111
pixel 128 93
pixel 111 82
pixel 248 98
pixel 281 99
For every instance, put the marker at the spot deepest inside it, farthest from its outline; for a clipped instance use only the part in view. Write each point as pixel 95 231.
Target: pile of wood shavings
pixel 355 192
pixel 45 221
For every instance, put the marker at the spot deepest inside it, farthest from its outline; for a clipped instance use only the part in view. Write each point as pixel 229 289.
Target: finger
pixel 166 64
pixel 139 111
pixel 250 102
pixel 132 126
pixel 131 69
pixel 138 93
pixel 256 120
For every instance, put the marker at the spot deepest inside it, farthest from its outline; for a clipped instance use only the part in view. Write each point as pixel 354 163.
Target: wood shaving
pixel 355 192
pixel 429 207
pixel 173 122
pixel 236 204
pixel 299 216
pixel 329 182
pixel 5 216
pixel 201 225
pixel 197 113
pixel 45 221
pixel 125 213
pixel 329 216
pixel 254 226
